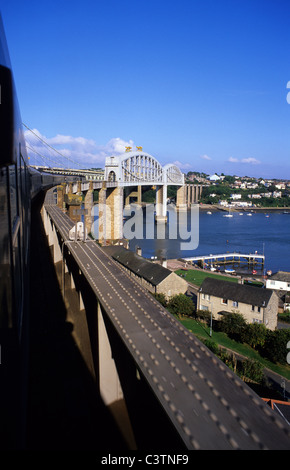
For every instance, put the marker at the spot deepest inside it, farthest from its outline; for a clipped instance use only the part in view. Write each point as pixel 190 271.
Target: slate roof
pixel 151 272
pixel 281 276
pixel 243 293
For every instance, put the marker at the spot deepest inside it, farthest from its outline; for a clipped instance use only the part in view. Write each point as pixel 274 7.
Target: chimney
pixel 139 251
pixel 164 262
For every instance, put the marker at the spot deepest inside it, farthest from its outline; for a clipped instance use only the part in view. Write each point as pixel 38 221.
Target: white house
pixel 214 178
pixel 223 203
pixel 279 281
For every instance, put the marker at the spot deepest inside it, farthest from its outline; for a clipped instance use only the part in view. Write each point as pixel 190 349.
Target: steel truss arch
pixel 173 175
pixel 142 168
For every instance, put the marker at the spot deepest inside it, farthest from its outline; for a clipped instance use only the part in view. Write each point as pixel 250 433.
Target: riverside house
pixel 156 278
pixel 256 304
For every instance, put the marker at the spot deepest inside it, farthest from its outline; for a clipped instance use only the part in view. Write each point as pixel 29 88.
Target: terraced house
pixel 256 304
pixel 154 277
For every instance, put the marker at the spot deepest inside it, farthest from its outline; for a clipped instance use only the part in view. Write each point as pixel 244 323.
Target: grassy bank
pixel 195 276
pixel 203 332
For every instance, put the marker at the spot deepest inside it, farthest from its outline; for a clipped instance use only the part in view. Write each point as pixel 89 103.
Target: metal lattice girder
pixel 132 168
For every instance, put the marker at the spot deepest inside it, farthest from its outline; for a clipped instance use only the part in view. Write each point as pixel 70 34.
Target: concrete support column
pixel 52 237
pixel 200 192
pixel 89 204
pixel 109 383
pixel 181 198
pixel 102 213
pixel 111 214
pixel 161 203
pixel 60 196
pixel 139 199
pixel 57 255
pixel 189 194
pixel 115 207
pixel 129 192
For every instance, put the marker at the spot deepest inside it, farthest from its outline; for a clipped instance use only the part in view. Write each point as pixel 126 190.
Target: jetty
pixel 227 258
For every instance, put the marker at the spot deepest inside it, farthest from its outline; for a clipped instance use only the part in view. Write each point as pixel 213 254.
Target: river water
pixel 267 234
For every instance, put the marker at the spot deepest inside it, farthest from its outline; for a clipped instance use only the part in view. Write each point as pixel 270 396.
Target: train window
pixel 13 195
pixel 15 245
pixel 5 271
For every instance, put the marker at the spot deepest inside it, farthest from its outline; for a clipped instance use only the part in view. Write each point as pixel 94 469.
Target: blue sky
pixel 200 83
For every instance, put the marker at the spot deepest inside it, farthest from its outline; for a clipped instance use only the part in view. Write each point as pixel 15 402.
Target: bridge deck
pixel 208 404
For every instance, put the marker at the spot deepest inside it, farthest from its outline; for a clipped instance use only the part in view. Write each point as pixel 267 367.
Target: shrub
pixel 233 324
pixel 253 370
pixel 161 298
pixel 254 334
pixel 275 347
pixel 228 359
pixel 212 345
pixel 180 305
pixel 203 315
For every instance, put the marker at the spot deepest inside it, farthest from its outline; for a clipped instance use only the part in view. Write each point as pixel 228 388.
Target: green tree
pixel 275 347
pixel 180 305
pixel 233 324
pixel 161 298
pixel 254 334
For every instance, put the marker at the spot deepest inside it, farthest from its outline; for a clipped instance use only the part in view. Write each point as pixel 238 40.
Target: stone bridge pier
pixel 111 213
pixel 192 193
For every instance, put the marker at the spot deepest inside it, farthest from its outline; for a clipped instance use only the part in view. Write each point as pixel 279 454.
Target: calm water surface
pixel 241 233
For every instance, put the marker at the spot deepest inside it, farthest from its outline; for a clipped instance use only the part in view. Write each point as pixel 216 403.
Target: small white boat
pixel 230 271
pixel 241 213
pixel 209 212
pixel 249 214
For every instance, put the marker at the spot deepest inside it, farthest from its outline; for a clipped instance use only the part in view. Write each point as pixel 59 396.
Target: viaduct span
pixel 172 385
pixel 124 177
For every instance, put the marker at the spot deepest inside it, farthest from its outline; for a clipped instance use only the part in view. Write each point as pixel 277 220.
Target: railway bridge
pixel 170 383
pixel 123 179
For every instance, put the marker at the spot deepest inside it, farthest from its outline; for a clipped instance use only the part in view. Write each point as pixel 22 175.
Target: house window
pixel 235 303
pixel 205 297
pixel 259 309
pixel 224 301
pixel 203 307
pixel 253 308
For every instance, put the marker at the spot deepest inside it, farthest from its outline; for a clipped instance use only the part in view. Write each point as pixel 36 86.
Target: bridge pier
pixel 110 213
pixel 192 193
pixel 89 204
pixel 181 198
pixel 131 192
pixel 161 204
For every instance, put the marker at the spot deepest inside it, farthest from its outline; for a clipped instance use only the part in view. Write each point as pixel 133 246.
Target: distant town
pixel 246 192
